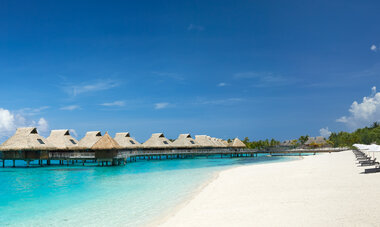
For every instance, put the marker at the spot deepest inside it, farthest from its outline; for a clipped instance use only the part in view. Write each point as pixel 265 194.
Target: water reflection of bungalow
pixel 26 144
pixel 185 141
pixel 157 140
pixel 62 139
pixel 125 140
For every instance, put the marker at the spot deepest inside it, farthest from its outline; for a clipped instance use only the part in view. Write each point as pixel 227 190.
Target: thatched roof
pixel 26 139
pixel 286 143
pixel 125 140
pixel 217 142
pixel 317 140
pixel 157 140
pixel 90 139
pixel 204 141
pixel 62 139
pixel 106 142
pixel 236 143
pixel 225 142
pixel 185 140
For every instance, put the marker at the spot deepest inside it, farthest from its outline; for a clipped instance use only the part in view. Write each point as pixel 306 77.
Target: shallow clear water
pixel 130 195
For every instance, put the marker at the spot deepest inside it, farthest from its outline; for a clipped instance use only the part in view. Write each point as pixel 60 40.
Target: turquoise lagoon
pixel 131 195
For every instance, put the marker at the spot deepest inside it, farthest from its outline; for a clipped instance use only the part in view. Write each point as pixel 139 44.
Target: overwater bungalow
pixel 125 140
pixel 218 142
pixel 90 139
pixel 185 141
pixel 157 140
pixel 62 140
pixel 204 141
pixel 236 143
pixel 224 142
pixel 106 148
pixel 26 144
pixel 318 141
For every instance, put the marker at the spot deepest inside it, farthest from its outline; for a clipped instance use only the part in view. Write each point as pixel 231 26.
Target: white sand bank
pixel 321 190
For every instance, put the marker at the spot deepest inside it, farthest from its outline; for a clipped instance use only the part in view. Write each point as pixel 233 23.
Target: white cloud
pixel 43 125
pixel 73 133
pixel 75 90
pixel 195 27
pixel 222 84
pixel 161 105
pixel 115 103
pixel 325 132
pixel 374 48
pixel 265 79
pixel 10 121
pixel 7 120
pixel 71 107
pixel 364 113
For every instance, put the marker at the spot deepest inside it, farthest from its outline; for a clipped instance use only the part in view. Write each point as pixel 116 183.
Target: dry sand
pixel 320 190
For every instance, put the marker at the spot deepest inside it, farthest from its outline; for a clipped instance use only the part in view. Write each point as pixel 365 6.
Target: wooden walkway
pixel 121 157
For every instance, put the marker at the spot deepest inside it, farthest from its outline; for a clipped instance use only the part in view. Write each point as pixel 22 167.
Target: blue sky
pixel 225 68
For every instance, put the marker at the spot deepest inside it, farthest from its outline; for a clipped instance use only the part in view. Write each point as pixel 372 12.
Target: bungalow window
pixel 40 141
pixel 165 142
pixel 132 142
pixel 192 142
pixel 72 141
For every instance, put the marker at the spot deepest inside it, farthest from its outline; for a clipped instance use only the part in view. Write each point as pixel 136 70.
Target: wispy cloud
pixel 194 27
pixel 32 111
pixel 227 101
pixel 373 48
pixel 264 79
pixel 222 84
pixel 75 90
pixel 364 113
pixel 71 107
pixel 161 105
pixel 115 103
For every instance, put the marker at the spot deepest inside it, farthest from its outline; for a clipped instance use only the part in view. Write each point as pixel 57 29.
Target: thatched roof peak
pixel 185 140
pixel 26 139
pixel 90 139
pixel 184 136
pixel 124 134
pixel 237 143
pixel 158 135
pixel 106 142
pixel 157 140
pixel 26 131
pixel 204 141
pixel 125 140
pixel 60 132
pixel 62 139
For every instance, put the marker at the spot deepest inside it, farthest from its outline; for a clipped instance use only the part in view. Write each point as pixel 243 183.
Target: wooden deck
pixel 121 157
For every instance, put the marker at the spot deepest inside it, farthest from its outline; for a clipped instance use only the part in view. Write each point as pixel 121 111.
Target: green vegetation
pixel 365 135
pixel 260 144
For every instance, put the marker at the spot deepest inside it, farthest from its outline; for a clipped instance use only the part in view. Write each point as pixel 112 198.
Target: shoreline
pixel 326 189
pixel 173 211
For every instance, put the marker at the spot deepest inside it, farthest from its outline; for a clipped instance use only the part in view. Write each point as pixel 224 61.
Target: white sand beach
pixel 320 190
